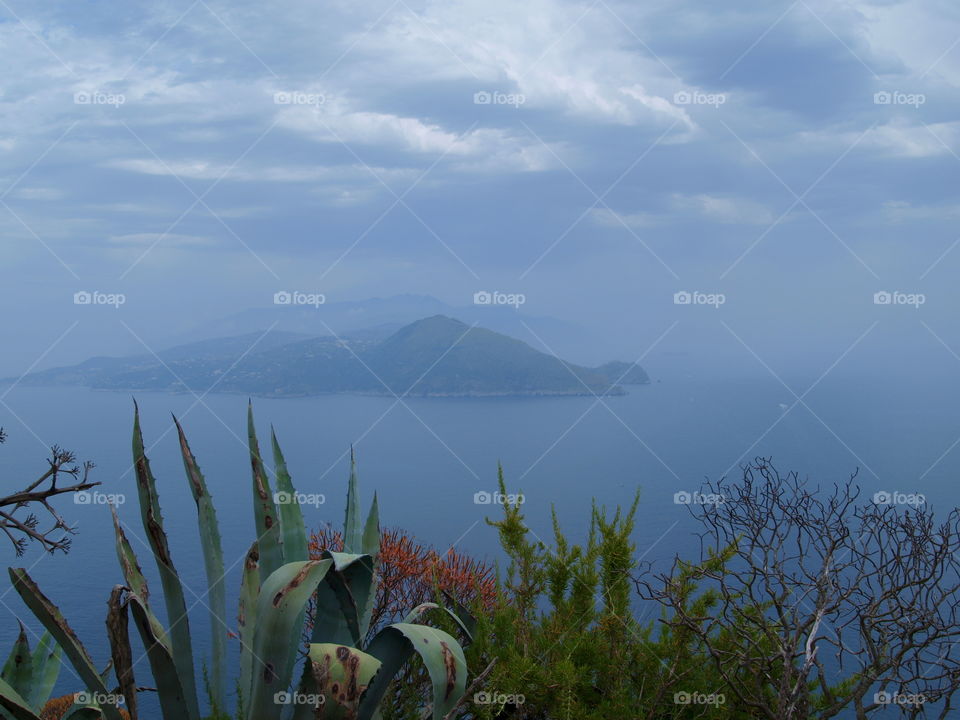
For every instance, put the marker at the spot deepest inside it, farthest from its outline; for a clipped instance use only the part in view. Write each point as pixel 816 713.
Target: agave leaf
pixel 247 621
pixel 419 610
pixel 335 676
pixel 13 704
pixel 352 529
pixel 213 565
pixel 292 527
pixel 170 693
pixel 120 651
pixel 283 596
pixel 267 523
pixel 464 617
pixel 172 589
pixel 52 619
pixel 18 669
pixel 46 669
pixel 82 712
pixel 371 530
pixel 133 576
pixel 441 654
pixel 343 600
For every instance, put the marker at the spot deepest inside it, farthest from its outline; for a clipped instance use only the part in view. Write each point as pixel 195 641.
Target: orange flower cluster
pixel 410 572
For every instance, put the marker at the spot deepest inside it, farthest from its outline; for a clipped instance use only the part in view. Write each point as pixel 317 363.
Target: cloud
pixel 725 209
pixel 679 208
pixel 169 239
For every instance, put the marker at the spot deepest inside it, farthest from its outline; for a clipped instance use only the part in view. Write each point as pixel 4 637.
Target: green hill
pixel 436 356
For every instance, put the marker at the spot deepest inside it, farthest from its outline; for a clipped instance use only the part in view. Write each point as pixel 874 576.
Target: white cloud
pixel 145 240
pixel 580 59
pixel 725 209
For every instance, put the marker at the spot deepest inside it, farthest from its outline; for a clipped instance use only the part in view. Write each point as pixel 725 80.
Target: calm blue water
pixel 427 460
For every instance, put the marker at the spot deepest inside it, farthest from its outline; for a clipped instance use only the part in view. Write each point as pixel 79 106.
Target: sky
pixel 777 164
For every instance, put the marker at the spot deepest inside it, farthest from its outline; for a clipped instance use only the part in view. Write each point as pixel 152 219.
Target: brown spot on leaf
pixel 450 665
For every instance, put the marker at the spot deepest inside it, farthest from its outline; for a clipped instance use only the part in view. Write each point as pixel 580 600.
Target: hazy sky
pixel 598 157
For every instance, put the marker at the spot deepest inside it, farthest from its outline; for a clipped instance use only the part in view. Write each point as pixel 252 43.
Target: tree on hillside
pixel 823 603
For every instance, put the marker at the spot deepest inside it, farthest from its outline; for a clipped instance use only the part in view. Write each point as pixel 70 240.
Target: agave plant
pixel 340 678
pixel 29 674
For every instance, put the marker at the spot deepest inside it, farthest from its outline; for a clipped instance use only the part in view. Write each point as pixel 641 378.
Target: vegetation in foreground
pixel 804 604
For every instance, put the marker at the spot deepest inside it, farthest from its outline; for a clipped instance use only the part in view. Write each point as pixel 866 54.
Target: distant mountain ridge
pixel 436 356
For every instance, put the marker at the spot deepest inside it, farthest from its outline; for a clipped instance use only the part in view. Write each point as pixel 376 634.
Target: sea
pixel 433 463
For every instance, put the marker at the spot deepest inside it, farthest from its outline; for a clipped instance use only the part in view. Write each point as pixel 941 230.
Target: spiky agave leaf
pixel 121 653
pixel 52 619
pixel 292 528
pixel 18 669
pixel 170 692
pixel 213 565
pixel 14 704
pixel 352 527
pixel 265 517
pixel 441 654
pixel 247 621
pixel 173 597
pixel 334 676
pixel 134 578
pixel 283 596
pixel 343 598
pixel 46 669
